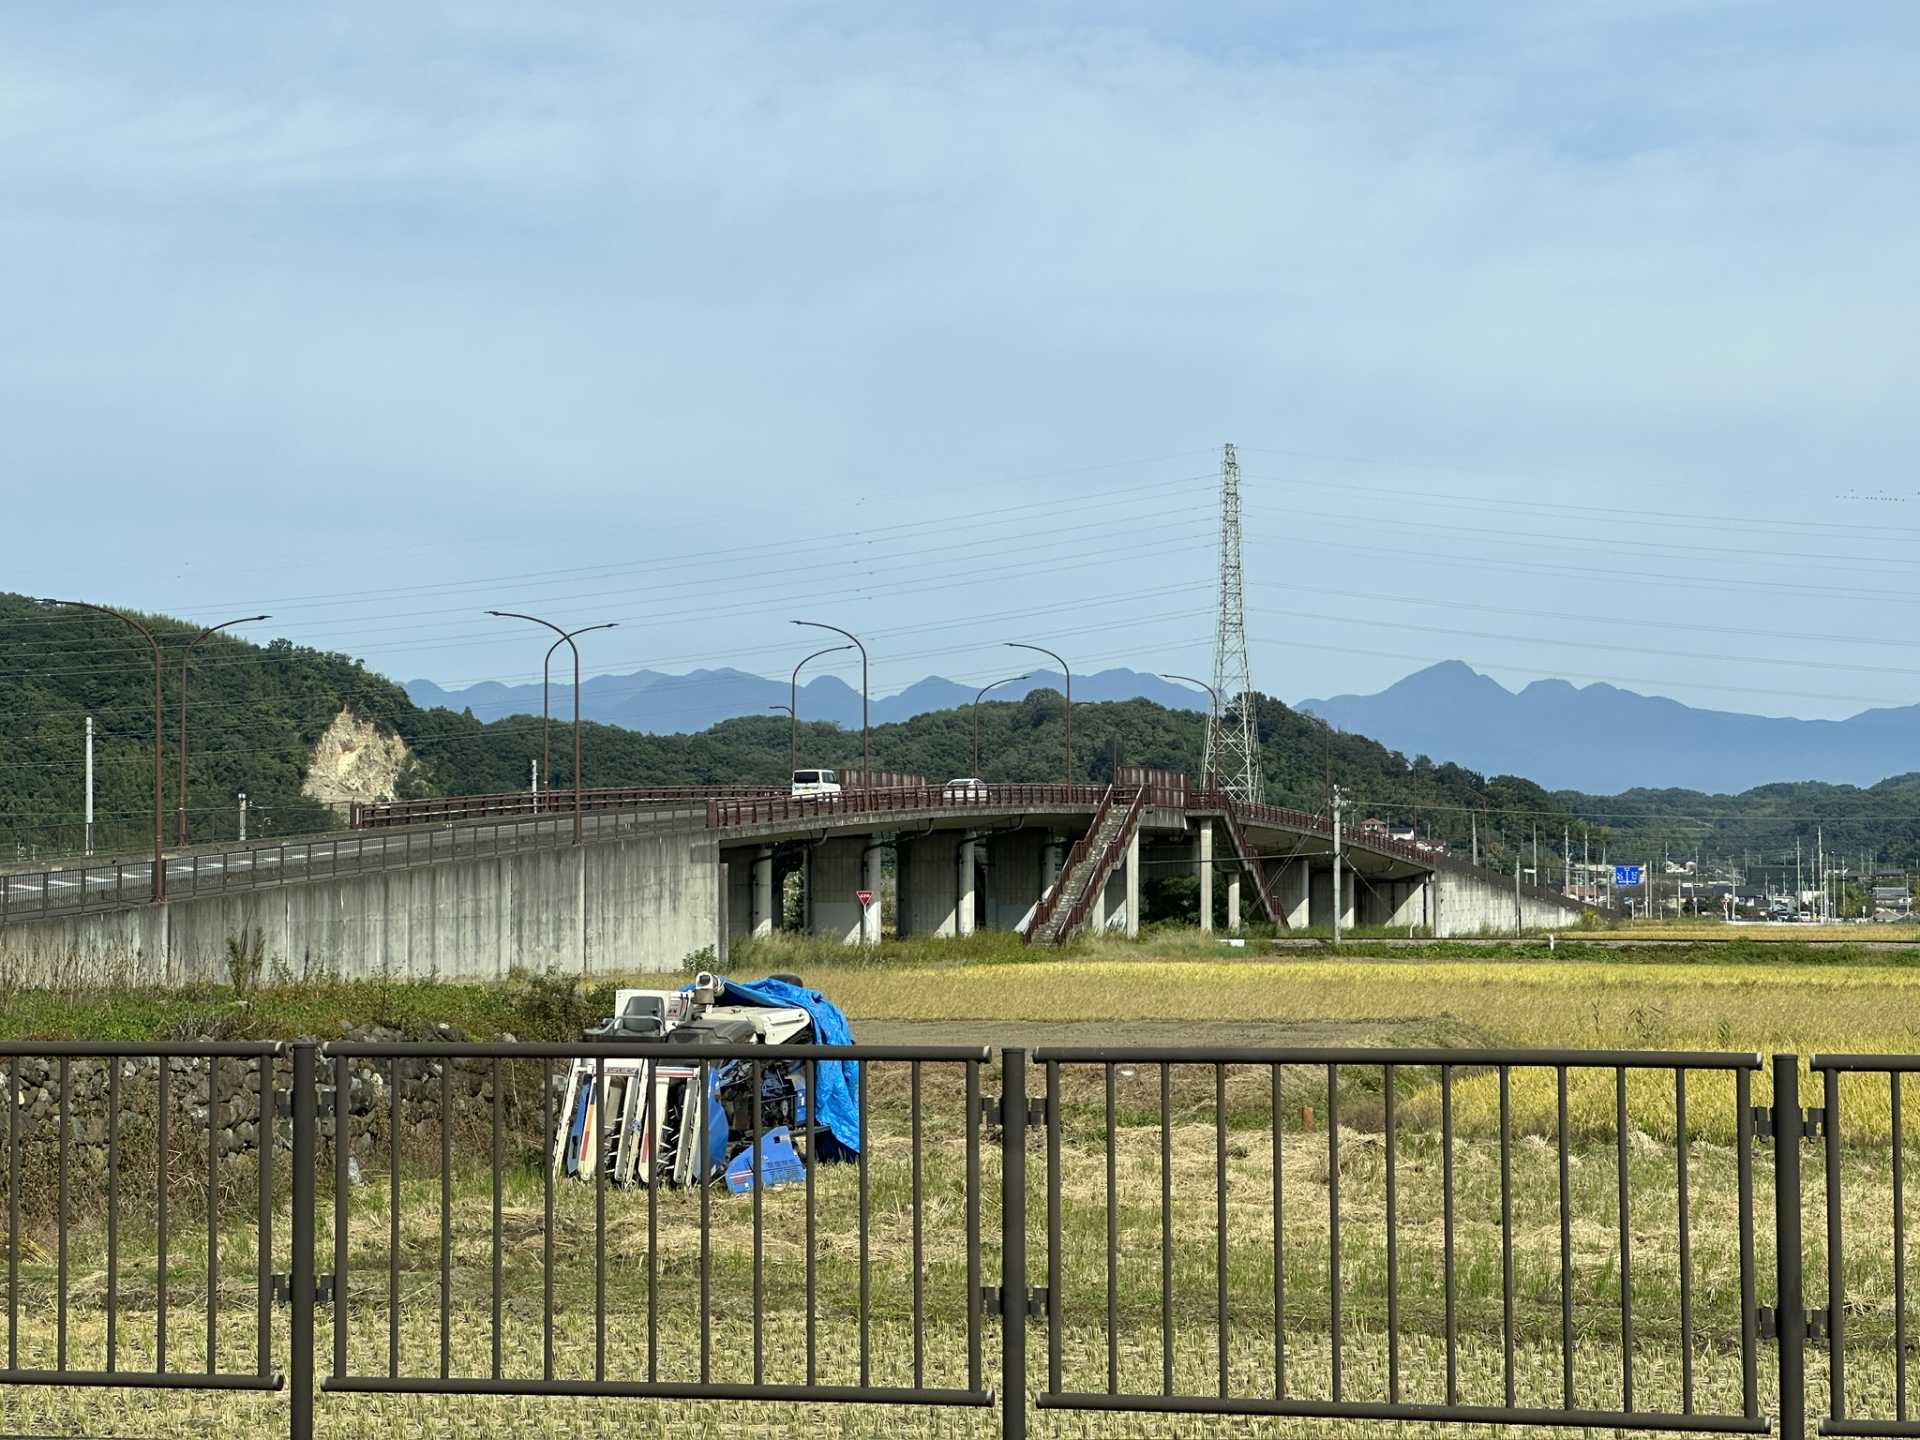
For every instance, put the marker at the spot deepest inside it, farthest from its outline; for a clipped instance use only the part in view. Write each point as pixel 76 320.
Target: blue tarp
pixel 838 1103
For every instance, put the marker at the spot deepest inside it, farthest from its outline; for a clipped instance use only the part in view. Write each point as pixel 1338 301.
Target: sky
pixel 1575 340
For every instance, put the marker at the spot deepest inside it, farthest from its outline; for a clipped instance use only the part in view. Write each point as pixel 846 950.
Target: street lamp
pixel 1213 715
pixel 866 735
pixel 976 716
pixel 159 891
pixel 546 725
pixel 1065 670
pixel 180 800
pixel 792 707
pixel 567 637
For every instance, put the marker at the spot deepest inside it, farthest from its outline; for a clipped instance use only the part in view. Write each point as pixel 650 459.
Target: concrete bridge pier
pixel 761 915
pixel 1203 844
pixel 1016 875
pixel 834 874
pixel 1289 888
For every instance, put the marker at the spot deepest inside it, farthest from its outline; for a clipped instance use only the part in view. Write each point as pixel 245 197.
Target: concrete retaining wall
pixel 642 902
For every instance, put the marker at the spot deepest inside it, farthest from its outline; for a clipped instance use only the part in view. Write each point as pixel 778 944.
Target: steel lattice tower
pixel 1233 744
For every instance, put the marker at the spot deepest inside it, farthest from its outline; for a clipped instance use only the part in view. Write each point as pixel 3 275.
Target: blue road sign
pixel 1626 874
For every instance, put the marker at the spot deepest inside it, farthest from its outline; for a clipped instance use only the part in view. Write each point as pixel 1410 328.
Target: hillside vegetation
pixel 257 710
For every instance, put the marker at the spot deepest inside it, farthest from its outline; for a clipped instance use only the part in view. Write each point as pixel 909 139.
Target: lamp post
pixel 976 717
pixel 866 736
pixel 792 707
pixel 159 890
pixel 180 800
pixel 546 724
pixel 1214 714
pixel 566 636
pixel 1066 671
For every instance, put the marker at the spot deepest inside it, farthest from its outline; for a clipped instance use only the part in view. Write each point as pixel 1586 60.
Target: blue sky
pixel 1575 340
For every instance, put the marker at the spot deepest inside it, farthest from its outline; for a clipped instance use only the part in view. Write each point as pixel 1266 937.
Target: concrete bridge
pixel 480 886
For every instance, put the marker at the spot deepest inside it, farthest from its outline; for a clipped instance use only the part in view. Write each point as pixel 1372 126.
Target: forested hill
pixel 257 712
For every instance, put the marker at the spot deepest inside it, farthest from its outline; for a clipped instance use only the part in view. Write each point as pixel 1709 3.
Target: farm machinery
pixel 689 1121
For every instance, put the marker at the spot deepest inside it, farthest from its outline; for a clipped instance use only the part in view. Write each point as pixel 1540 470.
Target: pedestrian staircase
pixel 1255 870
pixel 1093 857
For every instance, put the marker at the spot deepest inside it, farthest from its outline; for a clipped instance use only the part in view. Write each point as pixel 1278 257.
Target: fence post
pixel 1792 1302
pixel 1013 1242
pixel 301 1284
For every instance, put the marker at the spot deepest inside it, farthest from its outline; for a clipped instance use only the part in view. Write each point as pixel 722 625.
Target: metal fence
pixel 1475 1237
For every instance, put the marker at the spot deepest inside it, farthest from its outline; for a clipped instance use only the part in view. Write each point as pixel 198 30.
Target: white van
pixel 816 782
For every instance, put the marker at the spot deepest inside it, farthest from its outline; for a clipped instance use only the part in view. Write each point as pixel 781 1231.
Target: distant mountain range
pixel 660 704
pixel 1602 739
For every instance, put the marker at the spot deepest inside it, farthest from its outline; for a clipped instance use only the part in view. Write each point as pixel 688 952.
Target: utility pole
pixel 87 843
pixel 243 817
pixel 534 766
pixel 1233 746
pixel 1536 852
pixel 1336 864
pixel 1475 816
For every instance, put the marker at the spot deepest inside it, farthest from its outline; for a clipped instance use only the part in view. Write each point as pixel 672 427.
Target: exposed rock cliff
pixel 355 760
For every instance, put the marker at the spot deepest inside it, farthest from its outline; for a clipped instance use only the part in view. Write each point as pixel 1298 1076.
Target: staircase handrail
pixel 1050 901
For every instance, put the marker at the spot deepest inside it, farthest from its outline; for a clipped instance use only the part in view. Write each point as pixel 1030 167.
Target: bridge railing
pixel 377 815
pixel 773 809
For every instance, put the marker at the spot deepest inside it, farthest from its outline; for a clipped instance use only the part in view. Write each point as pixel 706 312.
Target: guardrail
pixel 771 810
pixel 373 815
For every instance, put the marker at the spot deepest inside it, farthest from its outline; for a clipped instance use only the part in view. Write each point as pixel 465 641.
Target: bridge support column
pixel 1290 893
pixel 1206 875
pixel 870 920
pixel 833 885
pixel 760 915
pixel 1133 887
pixel 1016 875
pixel 964 861
pixel 1233 901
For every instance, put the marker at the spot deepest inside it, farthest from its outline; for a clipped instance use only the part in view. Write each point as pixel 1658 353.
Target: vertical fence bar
pixel 759 1285
pixel 1220 1220
pixel 919 1247
pixel 1749 1339
pixel 1446 1231
pixel 66 1121
pixel 1166 1226
pixel 162 1184
pixel 1054 1246
pixel 300 1277
pixel 13 1212
pixel 655 1178
pixel 600 1218
pixel 113 1221
pixel 1506 1229
pixel 1899 1252
pixel 499 1180
pixel 265 1123
pixel 1792 1341
pixel 546 1234
pixel 1279 1237
pixel 1113 1243
pixel 213 1213
pixel 1013 1248
pixel 1680 1148
pixel 1388 1082
pixel 446 1218
pixel 1333 1225
pixel 1626 1237
pixel 706 1221
pixel 866 1345
pixel 393 1217
pixel 975 1361
pixel 1836 1252
pixel 342 1152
